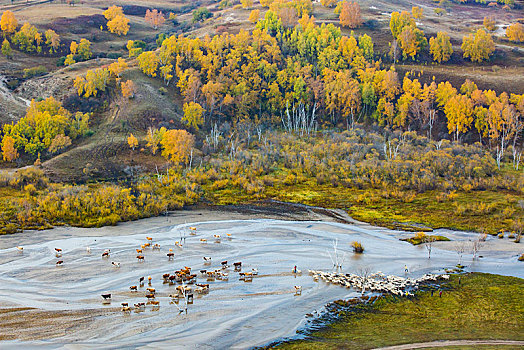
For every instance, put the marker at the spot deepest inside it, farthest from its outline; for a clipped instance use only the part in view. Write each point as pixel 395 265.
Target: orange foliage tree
pixel 515 32
pixel 350 15
pixel 9 151
pixel 8 22
pixel 155 18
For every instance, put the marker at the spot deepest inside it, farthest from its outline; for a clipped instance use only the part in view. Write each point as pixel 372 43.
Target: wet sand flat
pixel 53 307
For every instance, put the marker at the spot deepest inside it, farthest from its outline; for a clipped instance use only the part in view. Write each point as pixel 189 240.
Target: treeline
pixel 316 74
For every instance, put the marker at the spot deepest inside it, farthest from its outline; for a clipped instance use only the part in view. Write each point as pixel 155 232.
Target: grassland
pixel 482 307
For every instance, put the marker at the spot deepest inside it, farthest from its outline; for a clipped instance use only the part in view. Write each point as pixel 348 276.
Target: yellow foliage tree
pixel 246 3
pixel 489 23
pixel 73 47
pixel 177 145
pixel 328 3
pixel 113 12
pixel 9 151
pixel 479 46
pixel 417 12
pixel 69 60
pixel 116 68
pixel 148 61
pixel 132 142
pixel 515 32
pixel 440 47
pixel 118 25
pixel 254 16
pixel 8 22
pixel 52 40
pixel 193 114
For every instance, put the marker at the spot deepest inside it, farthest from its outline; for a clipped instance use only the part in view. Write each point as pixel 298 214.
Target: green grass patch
pixel 484 306
pixel 417 241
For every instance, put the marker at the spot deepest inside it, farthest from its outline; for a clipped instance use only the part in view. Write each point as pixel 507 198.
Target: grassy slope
pixel 484 306
pixel 369 206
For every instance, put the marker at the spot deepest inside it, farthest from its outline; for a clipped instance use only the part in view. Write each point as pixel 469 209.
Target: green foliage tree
pixel 479 46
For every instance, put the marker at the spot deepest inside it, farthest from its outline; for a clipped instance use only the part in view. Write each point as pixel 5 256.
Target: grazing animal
pixel 151 290
pixel 206 258
pixel 141 280
pixel 228 234
pixel 203 240
pixel 58 250
pixel 154 302
pixel 149 279
pixel 106 296
pixel 134 288
pixel 59 262
pixel 254 272
pixel 143 246
pixel 105 255
pixel 190 298
pixel 224 263
pixel 88 250
pixel 237 265
pixel 150 296
pixel 139 251
pixel 147 245
pixel 165 276
pixel 156 246
pixel 126 308
pixel 140 305
pixel 115 264
pixel 150 239
pixel 192 228
pixel 140 258
pixel 174 296
pixel 58 255
pixel 124 304
pixel 203 272
pixel 20 249
pixel 298 290
pixel 170 256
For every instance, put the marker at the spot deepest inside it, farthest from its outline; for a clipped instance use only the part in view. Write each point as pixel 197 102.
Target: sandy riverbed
pixel 51 307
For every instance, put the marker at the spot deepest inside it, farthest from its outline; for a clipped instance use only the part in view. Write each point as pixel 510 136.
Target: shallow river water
pixel 234 314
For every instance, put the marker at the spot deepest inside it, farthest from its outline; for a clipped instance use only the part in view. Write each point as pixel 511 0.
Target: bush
pixel 521 258
pixel 201 14
pixel 60 61
pixel 35 71
pixel 357 247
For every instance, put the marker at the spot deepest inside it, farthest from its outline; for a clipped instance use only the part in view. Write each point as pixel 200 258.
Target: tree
pixel 73 47
pixel 112 12
pixel 400 20
pixel 8 23
pixel 52 40
pixel 478 47
pixel 116 68
pixel 177 145
pixel 254 15
pixel 128 89
pixel 9 151
pixel 118 25
pixel 515 32
pixel 148 61
pixel 417 12
pixel 489 23
pixel 459 112
pixel 154 137
pixel 69 60
pixel 84 49
pixel 411 41
pixel 328 3
pixel 246 4
pixel 132 142
pixel 193 114
pixel 350 15
pixel 440 47
pixel 201 14
pixel 28 38
pixel 155 18
pixel 365 43
pixel 59 143
pixel 6 49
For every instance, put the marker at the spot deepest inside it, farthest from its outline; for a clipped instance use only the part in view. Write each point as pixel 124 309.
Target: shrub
pixel 357 247
pixel 500 235
pixel 35 71
pixel 521 257
pixel 201 14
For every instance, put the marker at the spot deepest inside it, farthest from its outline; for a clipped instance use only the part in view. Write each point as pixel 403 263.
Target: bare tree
pixel 336 259
pixel 477 244
pixel 300 120
pixel 460 248
pixel 428 243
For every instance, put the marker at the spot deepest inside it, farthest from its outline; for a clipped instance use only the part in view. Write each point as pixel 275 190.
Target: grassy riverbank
pixel 483 306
